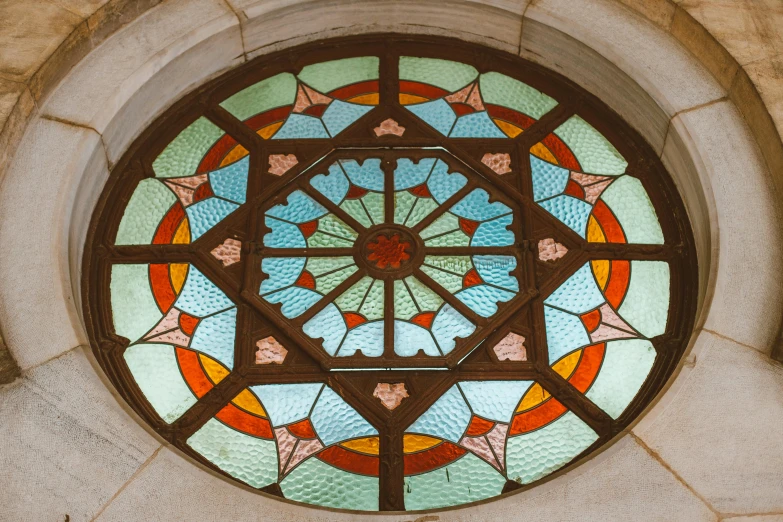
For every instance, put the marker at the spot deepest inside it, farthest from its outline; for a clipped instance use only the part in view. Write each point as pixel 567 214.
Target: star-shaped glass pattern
pixel 383 280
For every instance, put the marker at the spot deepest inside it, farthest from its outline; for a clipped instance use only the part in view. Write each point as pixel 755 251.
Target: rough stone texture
pixel 67 447
pixel 756 518
pixel 721 433
pixel 748 279
pixel 9 370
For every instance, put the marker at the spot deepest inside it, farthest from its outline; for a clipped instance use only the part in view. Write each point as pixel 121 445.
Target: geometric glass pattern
pixel 375 278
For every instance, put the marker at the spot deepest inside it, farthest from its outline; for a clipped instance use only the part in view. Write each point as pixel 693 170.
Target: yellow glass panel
pixel 248 402
pixel 214 370
pixel 269 130
pixel 594 232
pixel 542 151
pixel 235 154
pixel 601 272
pixel 367 445
pixel 566 366
pixel 178 272
pixel 365 99
pixel 512 131
pixel 412 443
pixel 182 235
pixel 407 99
pixel 534 396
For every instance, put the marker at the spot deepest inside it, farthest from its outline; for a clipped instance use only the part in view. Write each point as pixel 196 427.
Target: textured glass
pixel 133 305
pixel 594 152
pixel 316 482
pixel 147 207
pixel 288 403
pixel 182 156
pixel 646 305
pixel 334 420
pixel 631 206
pixel 626 365
pixel 446 419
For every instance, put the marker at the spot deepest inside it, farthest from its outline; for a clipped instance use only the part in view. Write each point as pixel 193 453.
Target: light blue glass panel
pixel 200 297
pixel 409 174
pixel 333 185
pixel 409 338
pixel 334 420
pixel 476 125
pixel 494 400
pixel 468 479
pixel 367 338
pixel 150 202
pixel 646 304
pixel 328 324
pixel 287 403
pixel 448 325
pixel 154 368
pixel 534 455
pixel 447 418
pixel 206 214
pixel 230 182
pixel 548 180
pixel 316 482
pixel 633 209
pixel 283 235
pixel 443 184
pixel 483 299
pixel 579 294
pixel 215 335
pixel 564 333
pixel 494 232
pixel 295 300
pixel 339 115
pixel 133 306
pixel 437 113
pixel 249 459
pixel 495 270
pixel 282 271
pixel 476 206
pixel 626 365
pixel 368 175
pixel 571 211
pixel 299 208
pixel 301 126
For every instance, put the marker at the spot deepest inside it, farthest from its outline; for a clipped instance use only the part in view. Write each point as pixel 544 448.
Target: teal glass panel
pixel 299 208
pixel 571 211
pixel 494 232
pixel 300 126
pixel 476 125
pixel 564 333
pixel 646 304
pixel 206 214
pixel 626 365
pixel 287 403
pixel 448 325
pixel 134 309
pixel 548 180
pixel 447 418
pixel 230 182
pixel 282 271
pixel 496 271
pixel 499 89
pixel 333 185
pixel 446 74
pixel 182 156
pixel 631 206
pixel 148 205
pixel 594 152
pixel 283 235
pixel 579 294
pixel 200 297
pixel 476 207
pixel 155 369
pixel 367 175
pixel 494 400
pixel 295 300
pixel 329 325
pixel 444 184
pixel 366 338
pixel 215 335
pixel 335 421
pixel 438 114
pixel 409 338
pixel 249 459
pixel 484 299
pixel 536 454
pixel 277 91
pixel 468 479
pixel 315 482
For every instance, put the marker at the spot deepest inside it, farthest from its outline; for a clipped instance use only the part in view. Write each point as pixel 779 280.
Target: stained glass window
pixel 389 276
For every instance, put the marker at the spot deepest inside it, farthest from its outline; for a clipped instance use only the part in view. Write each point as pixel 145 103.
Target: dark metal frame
pixel 306 362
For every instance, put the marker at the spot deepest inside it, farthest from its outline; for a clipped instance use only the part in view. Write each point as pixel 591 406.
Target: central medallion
pixel 389 251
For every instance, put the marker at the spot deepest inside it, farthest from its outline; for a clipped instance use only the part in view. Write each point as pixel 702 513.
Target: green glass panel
pixel 154 368
pixel 404 307
pixel 328 282
pixel 277 91
pixel 539 453
pixel 133 306
pixel 646 304
pixel 467 480
pixel 452 239
pixel 182 156
pixel 323 265
pixel 333 225
pixel 451 282
pixel 372 308
pixel 316 482
pixel 633 209
pixel 423 208
pixel 354 297
pixel 594 152
pixel 455 264
pixel 445 74
pixel 424 297
pixel 403 202
pixel 328 76
pixel 626 365
pixel 322 240
pixel 250 459
pixel 373 202
pixel 148 205
pixel 445 223
pixel 500 89
pixel 356 210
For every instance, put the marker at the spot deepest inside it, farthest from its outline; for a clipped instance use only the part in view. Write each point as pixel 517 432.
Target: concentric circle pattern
pixel 375 278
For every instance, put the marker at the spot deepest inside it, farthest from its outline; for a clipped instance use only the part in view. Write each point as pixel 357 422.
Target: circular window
pixel 389 273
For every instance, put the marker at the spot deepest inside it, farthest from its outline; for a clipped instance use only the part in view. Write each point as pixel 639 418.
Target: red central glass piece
pixel 389 251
